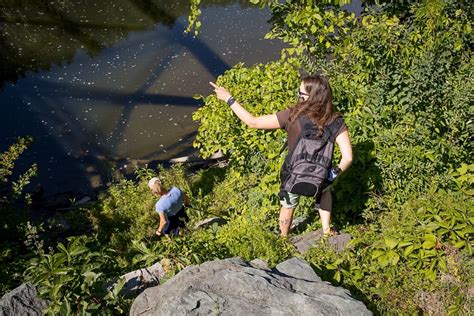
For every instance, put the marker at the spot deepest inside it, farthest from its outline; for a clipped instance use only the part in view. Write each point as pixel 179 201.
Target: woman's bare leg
pixel 286 217
pixel 325 211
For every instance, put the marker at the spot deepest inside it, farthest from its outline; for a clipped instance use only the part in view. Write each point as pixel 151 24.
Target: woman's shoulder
pixel 283 117
pixel 176 190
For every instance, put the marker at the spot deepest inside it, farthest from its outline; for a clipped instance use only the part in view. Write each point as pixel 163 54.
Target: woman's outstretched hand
pixel 221 93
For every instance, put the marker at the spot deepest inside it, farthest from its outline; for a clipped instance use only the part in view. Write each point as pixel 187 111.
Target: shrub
pixel 15 214
pixel 74 278
pixel 420 252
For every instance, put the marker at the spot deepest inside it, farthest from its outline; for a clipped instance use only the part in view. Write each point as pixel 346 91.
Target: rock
pixel 299 223
pixel 305 242
pixel 234 287
pixel 298 268
pixel 84 200
pixel 209 221
pixel 339 242
pixel 138 280
pixel 259 264
pixel 22 300
pixel 193 158
pixel 59 200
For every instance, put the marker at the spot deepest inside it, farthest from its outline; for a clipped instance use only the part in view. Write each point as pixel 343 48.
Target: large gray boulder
pixel 22 300
pixel 234 287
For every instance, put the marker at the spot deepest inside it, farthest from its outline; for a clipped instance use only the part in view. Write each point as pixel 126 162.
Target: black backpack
pixel 305 169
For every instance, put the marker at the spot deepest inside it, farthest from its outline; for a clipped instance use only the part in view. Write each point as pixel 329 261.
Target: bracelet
pixel 230 101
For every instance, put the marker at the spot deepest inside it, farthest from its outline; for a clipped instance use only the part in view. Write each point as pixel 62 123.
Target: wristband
pixel 230 101
pixel 333 173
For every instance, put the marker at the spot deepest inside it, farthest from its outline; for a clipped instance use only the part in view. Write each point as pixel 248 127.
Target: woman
pixel 169 206
pixel 315 102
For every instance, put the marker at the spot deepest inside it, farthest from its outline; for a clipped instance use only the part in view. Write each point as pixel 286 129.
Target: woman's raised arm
pixel 269 121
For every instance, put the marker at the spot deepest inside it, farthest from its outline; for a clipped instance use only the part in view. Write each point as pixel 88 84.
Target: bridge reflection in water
pixel 114 78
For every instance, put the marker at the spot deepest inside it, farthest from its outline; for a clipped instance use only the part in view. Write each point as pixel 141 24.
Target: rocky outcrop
pixel 138 280
pixel 304 242
pixel 23 300
pixel 234 287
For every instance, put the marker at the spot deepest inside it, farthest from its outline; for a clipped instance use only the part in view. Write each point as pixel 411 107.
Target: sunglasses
pixel 301 95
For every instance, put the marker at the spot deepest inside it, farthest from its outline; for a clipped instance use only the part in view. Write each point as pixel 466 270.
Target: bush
pixel 74 278
pixel 15 214
pixel 402 85
pixel 417 255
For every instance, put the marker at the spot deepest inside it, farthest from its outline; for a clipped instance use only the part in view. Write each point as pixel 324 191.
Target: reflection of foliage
pixel 34 35
pixel 195 11
pixel 42 33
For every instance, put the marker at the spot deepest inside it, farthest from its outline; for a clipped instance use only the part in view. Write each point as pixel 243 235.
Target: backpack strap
pixel 285 145
pixel 333 128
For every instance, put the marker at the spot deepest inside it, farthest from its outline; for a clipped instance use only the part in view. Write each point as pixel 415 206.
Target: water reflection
pixel 37 34
pixel 115 79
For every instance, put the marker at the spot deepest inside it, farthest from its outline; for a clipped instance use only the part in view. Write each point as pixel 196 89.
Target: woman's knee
pixel 325 201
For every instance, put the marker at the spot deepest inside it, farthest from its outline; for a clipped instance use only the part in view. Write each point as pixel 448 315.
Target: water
pixel 109 81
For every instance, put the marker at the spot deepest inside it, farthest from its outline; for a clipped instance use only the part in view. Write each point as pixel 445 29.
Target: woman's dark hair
pixel 318 106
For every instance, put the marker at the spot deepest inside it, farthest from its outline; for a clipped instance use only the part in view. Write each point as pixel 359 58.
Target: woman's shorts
pixel 176 222
pixel 291 200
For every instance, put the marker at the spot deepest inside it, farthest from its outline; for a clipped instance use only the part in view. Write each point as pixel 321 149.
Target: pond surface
pixel 101 81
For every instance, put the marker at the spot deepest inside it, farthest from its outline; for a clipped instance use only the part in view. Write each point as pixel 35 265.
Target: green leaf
pixel 53 292
pixel 331 267
pixel 408 250
pixel 377 253
pixel 65 309
pixel 431 275
pixel 393 257
pixel 430 241
pixel 442 265
pixel 459 244
pixel 383 261
pixel 390 242
pixel 404 243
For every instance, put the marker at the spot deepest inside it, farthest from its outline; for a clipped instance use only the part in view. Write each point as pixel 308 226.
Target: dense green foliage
pixel 404 86
pixel 14 216
pixel 74 278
